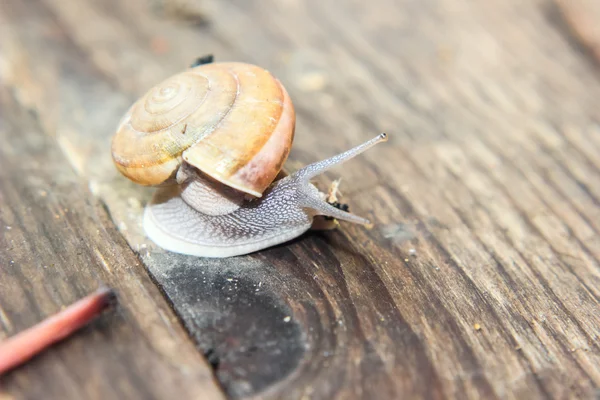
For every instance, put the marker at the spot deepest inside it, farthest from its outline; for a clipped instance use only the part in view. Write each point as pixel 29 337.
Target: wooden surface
pixel 58 245
pixel 581 20
pixel 481 277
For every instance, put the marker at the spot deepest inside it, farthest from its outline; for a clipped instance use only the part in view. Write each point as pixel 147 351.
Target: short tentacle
pixel 324 208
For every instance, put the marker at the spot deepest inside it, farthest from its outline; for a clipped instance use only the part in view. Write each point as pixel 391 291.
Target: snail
pixel 214 139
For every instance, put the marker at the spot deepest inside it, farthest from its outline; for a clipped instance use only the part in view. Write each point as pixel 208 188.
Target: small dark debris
pixel 213 358
pixel 207 59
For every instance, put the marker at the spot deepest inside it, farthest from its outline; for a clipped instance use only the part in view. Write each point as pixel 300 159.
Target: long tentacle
pixel 309 192
pixel 312 170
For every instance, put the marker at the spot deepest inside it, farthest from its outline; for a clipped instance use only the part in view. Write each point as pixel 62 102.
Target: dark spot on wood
pixel 237 320
pixel 213 358
pixel 207 59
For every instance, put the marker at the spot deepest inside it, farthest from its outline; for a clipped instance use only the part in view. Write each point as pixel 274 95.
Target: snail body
pixel 213 139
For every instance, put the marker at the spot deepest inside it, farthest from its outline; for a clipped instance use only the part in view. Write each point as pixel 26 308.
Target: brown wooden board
pixel 57 245
pixel 481 276
pixel 580 21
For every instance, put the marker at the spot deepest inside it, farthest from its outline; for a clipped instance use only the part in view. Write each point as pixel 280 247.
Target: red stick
pixel 19 348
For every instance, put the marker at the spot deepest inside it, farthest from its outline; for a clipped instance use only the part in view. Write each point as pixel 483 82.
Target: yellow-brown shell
pixel 233 121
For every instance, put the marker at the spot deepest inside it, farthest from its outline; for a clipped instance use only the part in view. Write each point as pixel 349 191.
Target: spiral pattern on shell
pixel 233 121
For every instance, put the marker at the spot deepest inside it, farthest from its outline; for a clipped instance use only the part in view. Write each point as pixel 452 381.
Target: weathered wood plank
pixel 481 277
pixel 581 19
pixel 57 244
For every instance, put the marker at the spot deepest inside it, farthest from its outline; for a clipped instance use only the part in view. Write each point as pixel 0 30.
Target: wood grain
pixel 57 245
pixel 481 277
pixel 581 20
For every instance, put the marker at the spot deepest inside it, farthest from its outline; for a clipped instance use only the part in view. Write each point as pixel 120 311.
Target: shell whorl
pixel 232 121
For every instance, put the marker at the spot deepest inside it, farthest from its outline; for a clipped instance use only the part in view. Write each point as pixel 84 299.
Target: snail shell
pixel 232 121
